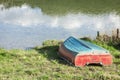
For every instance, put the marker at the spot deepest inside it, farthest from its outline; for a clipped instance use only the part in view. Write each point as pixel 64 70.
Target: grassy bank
pixel 42 63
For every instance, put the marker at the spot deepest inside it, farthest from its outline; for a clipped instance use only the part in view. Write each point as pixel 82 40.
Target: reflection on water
pixel 62 7
pixel 22 27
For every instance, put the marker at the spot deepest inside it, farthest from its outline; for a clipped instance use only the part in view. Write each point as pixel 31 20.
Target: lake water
pixel 27 25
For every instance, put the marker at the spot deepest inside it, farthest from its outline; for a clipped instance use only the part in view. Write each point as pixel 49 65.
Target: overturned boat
pixel 81 53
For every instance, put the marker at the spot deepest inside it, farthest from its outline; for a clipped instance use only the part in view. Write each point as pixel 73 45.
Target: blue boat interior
pixel 81 46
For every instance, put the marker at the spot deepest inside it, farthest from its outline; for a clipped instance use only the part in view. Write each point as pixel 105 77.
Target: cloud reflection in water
pixel 78 25
pixel 25 16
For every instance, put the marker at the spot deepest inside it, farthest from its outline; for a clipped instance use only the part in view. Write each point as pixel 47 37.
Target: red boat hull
pixel 85 59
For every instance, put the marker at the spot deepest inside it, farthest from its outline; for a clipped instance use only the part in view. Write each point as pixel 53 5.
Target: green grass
pixel 43 63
